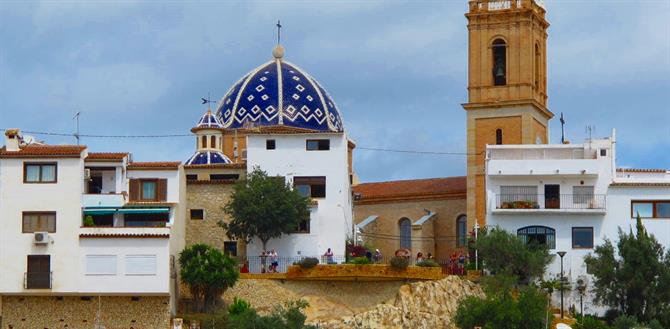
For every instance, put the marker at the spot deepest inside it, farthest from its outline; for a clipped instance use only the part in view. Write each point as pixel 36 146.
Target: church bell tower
pixel 507 85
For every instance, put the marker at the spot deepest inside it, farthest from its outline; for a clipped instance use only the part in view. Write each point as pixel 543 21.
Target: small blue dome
pixel 209 120
pixel 279 93
pixel 207 157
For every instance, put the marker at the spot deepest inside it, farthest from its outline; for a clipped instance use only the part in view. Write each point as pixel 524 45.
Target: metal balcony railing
pixel 37 280
pixel 541 201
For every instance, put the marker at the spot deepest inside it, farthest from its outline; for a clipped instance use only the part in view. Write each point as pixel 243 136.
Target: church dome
pixel 209 121
pixel 207 158
pixel 279 93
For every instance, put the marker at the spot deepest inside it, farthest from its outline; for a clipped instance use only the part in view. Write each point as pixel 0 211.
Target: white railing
pixel 541 154
pixel 103 200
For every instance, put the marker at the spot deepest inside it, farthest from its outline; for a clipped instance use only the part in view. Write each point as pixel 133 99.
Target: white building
pixel 80 224
pixel 280 119
pixel 571 197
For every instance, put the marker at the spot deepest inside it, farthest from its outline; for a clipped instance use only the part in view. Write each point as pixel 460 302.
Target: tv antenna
pixel 590 129
pixel 76 117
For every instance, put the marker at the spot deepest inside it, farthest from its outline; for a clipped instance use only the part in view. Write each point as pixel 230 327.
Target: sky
pixel 397 71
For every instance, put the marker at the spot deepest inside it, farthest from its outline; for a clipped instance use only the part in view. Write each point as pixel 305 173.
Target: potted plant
pixel 88 221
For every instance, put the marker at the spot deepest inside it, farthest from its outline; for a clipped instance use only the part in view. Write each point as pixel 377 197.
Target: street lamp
pixel 476 253
pixel 561 253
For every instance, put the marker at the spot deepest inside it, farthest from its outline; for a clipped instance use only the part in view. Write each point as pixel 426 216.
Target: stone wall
pixel 438 237
pixel 117 312
pixel 212 197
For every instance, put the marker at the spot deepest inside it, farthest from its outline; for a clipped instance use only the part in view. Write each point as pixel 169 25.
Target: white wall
pixel 121 282
pixel 172 177
pixel 331 219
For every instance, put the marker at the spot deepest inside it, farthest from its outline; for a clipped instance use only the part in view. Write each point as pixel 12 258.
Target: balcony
pixel 540 203
pixel 124 232
pixel 103 200
pixel 37 280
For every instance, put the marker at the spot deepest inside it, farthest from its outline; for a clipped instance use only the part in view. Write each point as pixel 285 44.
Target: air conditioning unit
pixel 87 173
pixel 41 238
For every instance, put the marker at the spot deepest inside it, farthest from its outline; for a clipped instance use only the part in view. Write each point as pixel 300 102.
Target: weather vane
pixel 207 101
pixel 278 31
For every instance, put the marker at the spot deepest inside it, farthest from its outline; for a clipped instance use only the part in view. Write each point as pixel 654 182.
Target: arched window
pixel 204 141
pixel 499 48
pixel 461 230
pixel 212 142
pixel 541 235
pixel 405 233
pixel 537 66
pixel 499 137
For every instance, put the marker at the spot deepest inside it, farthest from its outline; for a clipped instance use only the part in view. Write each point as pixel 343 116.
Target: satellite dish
pixel 28 139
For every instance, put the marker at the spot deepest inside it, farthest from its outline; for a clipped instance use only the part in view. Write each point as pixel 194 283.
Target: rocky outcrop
pixel 429 304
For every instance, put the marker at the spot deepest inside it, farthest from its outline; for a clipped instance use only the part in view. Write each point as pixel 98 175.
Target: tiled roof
pixel 106 156
pixel 165 165
pixel 412 189
pixel 239 165
pixel 44 151
pixel 660 171
pixel 639 184
pixel 124 235
pixel 278 129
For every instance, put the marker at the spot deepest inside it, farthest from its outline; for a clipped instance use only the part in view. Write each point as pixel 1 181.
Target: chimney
pixel 12 140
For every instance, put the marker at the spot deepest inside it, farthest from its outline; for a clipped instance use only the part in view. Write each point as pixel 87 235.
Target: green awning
pixel 109 211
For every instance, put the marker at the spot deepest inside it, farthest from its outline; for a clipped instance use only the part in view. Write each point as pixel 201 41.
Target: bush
pixel 214 321
pixel 590 322
pixel 238 306
pixel 428 263
pixel 88 221
pixel 360 261
pixel 308 262
pixel 287 316
pixel 399 263
pixel 356 250
pixel 625 322
pixel 502 310
pixel 611 315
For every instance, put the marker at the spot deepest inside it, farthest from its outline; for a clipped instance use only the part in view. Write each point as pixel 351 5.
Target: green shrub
pixel 399 263
pixel 360 261
pixel 625 322
pixel 88 221
pixel 238 306
pixel 287 316
pixel 428 263
pixel 308 262
pixel 655 324
pixel 590 322
pixel 213 321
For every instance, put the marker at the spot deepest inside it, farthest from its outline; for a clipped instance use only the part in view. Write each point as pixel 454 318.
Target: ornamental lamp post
pixel 561 254
pixel 476 251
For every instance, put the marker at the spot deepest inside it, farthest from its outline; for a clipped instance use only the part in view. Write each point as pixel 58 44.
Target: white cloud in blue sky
pixel 396 69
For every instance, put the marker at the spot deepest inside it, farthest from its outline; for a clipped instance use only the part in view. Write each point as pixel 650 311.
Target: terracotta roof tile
pixel 165 165
pixel 44 151
pixel 239 165
pixel 412 189
pixel 640 184
pixel 106 156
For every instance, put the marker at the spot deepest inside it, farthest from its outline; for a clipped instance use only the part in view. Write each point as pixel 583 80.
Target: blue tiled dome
pixel 279 93
pixel 209 120
pixel 207 157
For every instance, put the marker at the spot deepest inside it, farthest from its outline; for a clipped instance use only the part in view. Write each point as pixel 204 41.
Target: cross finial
pixel 278 31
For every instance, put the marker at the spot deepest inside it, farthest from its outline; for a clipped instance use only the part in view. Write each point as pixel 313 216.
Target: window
pixel 230 248
pixel 512 197
pixel 603 152
pixel 212 142
pixel 462 230
pixel 582 237
pixel 405 233
pixel 38 275
pixel 312 187
pixel 40 173
pixel 270 144
pixel 39 222
pixel 191 177
pixel 537 66
pixel 223 176
pixel 499 48
pixel 650 209
pixel 499 137
pixel 204 141
pixel 140 264
pixel 582 194
pixel 318 144
pixel 100 265
pixel 197 214
pixel 146 220
pixel 101 220
pixel 148 190
pixel 540 235
pixel 303 226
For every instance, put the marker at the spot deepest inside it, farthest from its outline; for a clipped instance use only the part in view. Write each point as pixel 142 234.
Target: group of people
pixel 274 261
pixel 420 257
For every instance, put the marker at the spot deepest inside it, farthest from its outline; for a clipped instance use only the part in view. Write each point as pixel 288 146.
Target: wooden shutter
pixel 134 189
pixel 161 190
